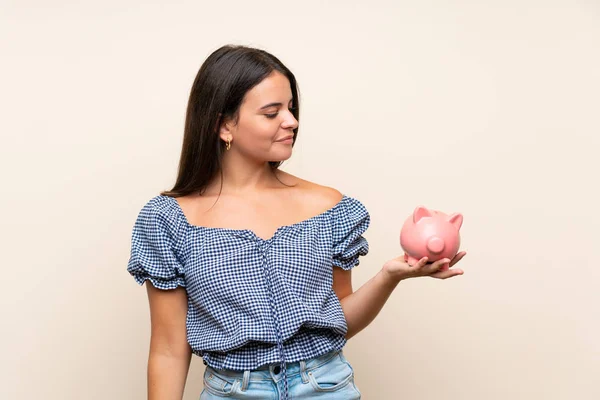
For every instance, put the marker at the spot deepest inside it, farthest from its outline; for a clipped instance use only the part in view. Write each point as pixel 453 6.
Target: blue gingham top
pixel 252 301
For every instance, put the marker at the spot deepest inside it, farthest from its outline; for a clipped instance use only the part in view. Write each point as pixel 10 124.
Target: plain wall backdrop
pixel 487 108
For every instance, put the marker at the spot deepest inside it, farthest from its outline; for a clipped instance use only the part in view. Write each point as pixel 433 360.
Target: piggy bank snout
pixel 435 245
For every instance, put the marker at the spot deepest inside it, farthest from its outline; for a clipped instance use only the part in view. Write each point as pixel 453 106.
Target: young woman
pixel 249 266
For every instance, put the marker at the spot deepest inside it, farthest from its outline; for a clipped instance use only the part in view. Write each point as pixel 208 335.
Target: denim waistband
pixel 267 372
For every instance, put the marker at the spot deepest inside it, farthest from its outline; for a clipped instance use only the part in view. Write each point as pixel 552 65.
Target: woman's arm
pixel 361 307
pixel 170 353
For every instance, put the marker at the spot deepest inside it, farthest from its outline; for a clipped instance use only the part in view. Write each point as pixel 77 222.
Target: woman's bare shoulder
pixel 317 195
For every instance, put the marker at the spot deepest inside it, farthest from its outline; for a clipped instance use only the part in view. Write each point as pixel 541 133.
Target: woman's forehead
pixel 273 89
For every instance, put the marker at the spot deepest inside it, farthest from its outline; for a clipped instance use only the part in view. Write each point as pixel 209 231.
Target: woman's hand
pixel 398 269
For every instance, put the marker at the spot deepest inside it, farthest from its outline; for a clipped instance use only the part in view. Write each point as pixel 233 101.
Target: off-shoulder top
pixel 252 301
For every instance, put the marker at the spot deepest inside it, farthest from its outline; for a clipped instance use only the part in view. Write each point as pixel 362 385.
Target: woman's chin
pixel 281 157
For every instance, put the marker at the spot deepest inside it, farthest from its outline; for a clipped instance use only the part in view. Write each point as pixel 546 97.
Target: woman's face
pixel 265 118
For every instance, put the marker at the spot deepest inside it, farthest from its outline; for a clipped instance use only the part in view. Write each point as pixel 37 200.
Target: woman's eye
pixel 271 116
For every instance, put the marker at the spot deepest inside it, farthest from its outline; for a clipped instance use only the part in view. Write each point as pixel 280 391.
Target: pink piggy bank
pixel 431 234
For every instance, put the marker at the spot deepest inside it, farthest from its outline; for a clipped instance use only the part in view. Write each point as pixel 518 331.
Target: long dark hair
pixel 217 93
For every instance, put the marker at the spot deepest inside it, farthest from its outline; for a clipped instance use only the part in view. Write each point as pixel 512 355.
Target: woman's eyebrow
pixel 272 105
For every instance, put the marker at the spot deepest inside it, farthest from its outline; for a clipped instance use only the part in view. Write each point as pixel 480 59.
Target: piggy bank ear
pixel 420 212
pixel 456 219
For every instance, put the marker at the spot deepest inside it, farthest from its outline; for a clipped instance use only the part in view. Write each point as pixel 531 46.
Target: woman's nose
pixel 290 122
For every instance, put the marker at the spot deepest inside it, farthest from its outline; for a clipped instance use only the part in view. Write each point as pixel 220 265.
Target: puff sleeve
pixel 154 244
pixel 351 220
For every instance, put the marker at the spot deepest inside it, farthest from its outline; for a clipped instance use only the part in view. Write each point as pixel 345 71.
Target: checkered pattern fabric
pixel 252 301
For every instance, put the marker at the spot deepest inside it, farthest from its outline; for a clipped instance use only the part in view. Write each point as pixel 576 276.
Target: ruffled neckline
pixel 250 232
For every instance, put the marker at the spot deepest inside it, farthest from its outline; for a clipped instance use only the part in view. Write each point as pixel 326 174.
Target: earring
pixel 228 146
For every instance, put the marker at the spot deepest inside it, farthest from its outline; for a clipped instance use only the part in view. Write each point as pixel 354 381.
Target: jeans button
pixel 276 370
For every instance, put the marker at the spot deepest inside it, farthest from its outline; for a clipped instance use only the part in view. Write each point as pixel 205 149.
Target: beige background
pixel 486 108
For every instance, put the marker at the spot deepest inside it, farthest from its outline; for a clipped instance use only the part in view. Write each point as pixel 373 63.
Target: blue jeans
pixel 328 377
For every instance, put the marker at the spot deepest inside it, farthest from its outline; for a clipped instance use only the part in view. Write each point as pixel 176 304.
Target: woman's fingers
pixel 440 269
pixel 457 257
pixel 434 267
pixel 449 273
pixel 421 263
pixel 418 269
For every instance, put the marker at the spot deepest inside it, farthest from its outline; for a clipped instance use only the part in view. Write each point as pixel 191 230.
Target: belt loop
pixel 303 371
pixel 245 381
